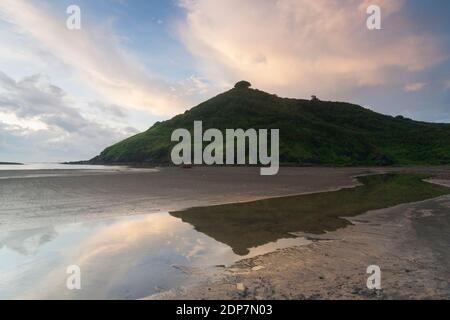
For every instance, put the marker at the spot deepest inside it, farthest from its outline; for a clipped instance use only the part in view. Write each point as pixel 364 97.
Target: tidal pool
pixel 122 258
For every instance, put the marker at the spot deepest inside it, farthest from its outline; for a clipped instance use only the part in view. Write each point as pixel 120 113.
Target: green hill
pixel 312 132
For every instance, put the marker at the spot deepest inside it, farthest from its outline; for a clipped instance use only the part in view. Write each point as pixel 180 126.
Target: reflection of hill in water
pixel 251 224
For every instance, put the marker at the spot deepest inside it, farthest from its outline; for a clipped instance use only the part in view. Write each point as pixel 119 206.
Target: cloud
pixel 303 46
pixel 97 56
pixel 414 87
pixel 38 122
pixel 35 98
pixel 104 109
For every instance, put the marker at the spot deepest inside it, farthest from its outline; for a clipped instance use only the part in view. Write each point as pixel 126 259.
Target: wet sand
pixel 34 198
pixel 409 242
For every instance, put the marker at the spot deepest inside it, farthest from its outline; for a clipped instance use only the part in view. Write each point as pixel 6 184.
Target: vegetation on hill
pixel 312 132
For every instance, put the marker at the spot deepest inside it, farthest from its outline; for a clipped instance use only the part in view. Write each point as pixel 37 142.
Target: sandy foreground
pixel 410 243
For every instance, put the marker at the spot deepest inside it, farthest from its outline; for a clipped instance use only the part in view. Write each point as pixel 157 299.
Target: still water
pixel 120 258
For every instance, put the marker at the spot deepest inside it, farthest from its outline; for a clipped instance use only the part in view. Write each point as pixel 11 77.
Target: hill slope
pixel 311 132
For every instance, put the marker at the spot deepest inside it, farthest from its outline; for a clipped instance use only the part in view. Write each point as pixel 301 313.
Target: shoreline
pixel 334 265
pixel 331 267
pixel 141 191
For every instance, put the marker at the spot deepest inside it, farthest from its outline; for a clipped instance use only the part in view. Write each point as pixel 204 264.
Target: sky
pixel 67 94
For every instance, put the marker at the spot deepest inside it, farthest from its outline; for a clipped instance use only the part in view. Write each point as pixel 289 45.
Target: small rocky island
pixel 11 163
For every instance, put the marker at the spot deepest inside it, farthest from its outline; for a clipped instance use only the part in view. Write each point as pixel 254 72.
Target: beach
pixel 410 244
pixel 40 197
pixel 120 225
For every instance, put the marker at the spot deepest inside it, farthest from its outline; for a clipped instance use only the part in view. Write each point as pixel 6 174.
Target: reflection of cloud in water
pixel 151 232
pixel 198 249
pixel 126 258
pixel 129 259
pixel 27 242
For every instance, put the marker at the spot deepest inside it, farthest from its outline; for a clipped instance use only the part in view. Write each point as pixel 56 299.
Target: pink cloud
pixel 414 87
pixel 302 46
